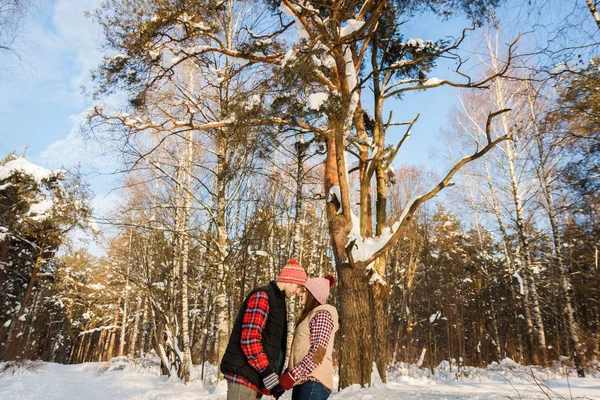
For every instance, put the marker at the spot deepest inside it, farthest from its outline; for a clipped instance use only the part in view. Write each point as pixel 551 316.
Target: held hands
pixel 271 382
pixel 286 381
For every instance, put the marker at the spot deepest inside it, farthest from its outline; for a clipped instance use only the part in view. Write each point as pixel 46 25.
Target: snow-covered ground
pixel 121 379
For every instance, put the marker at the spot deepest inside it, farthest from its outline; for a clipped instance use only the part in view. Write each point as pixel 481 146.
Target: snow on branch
pixel 364 251
pixel 101 328
pixel 20 164
pixel 406 85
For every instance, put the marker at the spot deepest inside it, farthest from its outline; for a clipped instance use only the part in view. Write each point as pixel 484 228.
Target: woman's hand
pixel 286 381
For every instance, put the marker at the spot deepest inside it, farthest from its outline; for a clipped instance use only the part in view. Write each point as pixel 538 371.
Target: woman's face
pixel 302 296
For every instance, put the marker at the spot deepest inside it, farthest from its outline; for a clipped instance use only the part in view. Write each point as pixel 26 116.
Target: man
pixel 256 351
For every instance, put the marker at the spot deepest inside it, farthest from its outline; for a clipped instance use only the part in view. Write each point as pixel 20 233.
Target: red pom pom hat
pixel 320 287
pixel 293 273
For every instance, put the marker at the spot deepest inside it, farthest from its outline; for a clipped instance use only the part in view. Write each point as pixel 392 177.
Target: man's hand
pixel 286 381
pixel 271 381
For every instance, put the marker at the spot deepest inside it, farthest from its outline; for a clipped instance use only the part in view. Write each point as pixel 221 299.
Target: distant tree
pixel 12 14
pixel 38 208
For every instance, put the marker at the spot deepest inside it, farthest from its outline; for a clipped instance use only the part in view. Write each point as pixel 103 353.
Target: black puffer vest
pixel 273 338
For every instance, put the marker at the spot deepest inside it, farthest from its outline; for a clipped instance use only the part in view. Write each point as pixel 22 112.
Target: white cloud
pixel 82 34
pixel 74 149
pixel 77 39
pixel 68 151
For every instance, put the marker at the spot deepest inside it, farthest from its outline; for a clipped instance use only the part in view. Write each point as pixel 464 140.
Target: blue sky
pixel 41 101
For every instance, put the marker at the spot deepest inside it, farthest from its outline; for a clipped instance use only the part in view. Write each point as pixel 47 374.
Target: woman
pixel 310 370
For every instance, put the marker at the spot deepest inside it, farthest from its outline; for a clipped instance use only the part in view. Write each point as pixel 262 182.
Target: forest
pixel 250 132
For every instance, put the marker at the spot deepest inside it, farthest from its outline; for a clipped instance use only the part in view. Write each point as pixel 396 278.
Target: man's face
pixel 292 289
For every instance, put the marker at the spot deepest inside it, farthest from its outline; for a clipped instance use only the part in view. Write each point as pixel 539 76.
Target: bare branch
pixel 416 202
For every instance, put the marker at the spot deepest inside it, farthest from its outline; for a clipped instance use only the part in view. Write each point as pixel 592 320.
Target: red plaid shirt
pixel 253 324
pixel 321 327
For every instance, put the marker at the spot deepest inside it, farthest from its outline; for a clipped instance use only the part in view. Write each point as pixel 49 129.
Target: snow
pixel 122 378
pixel 237 60
pixel 3 232
pixel 376 278
pixel 289 58
pixel 93 225
pixel 352 82
pixel 560 67
pixel 351 27
pixel 325 56
pixel 434 316
pixel 432 81
pixel 299 26
pixel 335 191
pixel 20 164
pixel 200 26
pixel 419 43
pixel 7 323
pixel 316 100
pixel 364 248
pixel 520 279
pixel 252 102
pixel 350 70
pixel 195 49
pixel 40 211
pixel 96 286
pixel 169 62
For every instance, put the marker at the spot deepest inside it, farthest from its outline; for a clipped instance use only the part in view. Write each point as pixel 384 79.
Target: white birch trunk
pixel 185 242
pixel 531 296
pixel 544 177
pixel 594 11
pixel 297 241
pixel 222 309
pixel 125 300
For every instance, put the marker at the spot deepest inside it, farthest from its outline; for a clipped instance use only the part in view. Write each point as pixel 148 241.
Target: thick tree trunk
pixel 355 348
pixel 532 299
pixel 379 320
pixel 355 354
pixel 145 334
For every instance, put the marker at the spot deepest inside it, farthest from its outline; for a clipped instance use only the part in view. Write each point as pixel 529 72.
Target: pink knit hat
pixel 293 273
pixel 319 287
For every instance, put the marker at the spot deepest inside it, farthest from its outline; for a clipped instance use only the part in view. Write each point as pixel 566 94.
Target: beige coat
pixel 301 345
